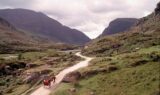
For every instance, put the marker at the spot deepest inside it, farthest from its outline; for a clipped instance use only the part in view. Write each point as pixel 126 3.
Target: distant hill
pixel 40 24
pixel 119 25
pixel 13 40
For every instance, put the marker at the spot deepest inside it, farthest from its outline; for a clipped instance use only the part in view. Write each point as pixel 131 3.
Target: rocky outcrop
pixel 108 69
pixel 72 77
pixel 119 25
pixel 12 68
pixel 31 77
pixel 157 10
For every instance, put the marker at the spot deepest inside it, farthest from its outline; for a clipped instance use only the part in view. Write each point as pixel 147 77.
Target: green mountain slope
pixel 145 34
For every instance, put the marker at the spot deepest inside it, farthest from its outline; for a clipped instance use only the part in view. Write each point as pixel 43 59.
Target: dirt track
pixel 60 76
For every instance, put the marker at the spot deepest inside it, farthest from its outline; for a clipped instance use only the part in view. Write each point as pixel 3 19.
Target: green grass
pixel 126 64
pixel 14 88
pixel 128 81
pixel 142 79
pixel 62 90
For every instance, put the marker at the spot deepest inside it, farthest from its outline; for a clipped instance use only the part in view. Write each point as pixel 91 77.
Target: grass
pixel 62 89
pixel 145 34
pixel 141 79
pixel 12 85
pixel 15 86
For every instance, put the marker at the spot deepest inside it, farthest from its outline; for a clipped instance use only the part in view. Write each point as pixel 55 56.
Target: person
pixel 54 78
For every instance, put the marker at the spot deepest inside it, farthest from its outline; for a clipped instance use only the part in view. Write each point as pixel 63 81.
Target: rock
pixel 156 93
pixel 89 73
pixel 30 65
pixel 72 90
pixel 47 71
pixel 72 77
pixel 111 68
pixel 32 77
pixel 157 10
pixel 137 63
pixel 92 93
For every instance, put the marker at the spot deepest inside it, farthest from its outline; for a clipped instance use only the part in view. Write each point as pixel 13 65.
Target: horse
pixel 47 81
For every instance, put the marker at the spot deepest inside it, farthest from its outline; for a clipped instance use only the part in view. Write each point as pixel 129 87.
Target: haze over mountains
pixel 40 24
pixel 119 25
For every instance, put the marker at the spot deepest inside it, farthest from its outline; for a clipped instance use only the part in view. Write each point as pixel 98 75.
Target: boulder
pixel 47 71
pixel 72 77
pixel 72 90
pixel 31 65
pixel 111 68
pixel 92 93
pixel 32 77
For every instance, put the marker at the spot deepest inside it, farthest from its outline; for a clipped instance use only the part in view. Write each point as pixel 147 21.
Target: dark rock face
pixel 12 68
pixel 119 25
pixel 40 24
pixel 157 10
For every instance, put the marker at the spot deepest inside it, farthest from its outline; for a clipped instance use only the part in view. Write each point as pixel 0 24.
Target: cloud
pixel 89 16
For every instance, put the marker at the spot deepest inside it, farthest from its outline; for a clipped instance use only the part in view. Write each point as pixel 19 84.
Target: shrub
pixel 20 56
pixel 139 62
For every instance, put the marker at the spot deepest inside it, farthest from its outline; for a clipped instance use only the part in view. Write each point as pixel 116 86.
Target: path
pixel 60 76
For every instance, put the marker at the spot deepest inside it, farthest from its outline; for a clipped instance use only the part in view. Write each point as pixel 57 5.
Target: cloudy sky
pixel 89 16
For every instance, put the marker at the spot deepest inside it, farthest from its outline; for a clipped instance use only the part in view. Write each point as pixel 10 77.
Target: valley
pixel 28 69
pixel 41 56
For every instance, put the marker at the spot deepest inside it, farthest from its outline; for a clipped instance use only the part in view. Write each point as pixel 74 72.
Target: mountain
pixel 12 40
pixel 119 25
pixel 144 34
pixel 40 24
pixel 124 63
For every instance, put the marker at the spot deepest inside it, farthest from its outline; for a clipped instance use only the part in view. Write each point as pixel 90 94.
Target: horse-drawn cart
pixel 48 79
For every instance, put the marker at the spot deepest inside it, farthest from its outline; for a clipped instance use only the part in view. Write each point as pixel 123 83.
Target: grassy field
pixel 136 74
pixel 51 60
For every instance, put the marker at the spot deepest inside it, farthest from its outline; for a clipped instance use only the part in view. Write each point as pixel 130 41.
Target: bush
pixel 20 56
pixel 139 62
pixel 111 68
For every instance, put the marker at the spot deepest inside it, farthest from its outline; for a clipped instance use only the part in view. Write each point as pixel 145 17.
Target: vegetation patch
pixel 134 73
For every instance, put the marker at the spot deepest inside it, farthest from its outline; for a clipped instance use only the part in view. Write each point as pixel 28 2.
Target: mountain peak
pixel 119 25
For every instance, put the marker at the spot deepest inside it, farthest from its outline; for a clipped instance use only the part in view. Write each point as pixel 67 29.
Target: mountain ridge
pixel 39 23
pixel 119 25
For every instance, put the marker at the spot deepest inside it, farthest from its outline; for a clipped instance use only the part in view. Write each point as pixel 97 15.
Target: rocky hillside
pixel 12 39
pixel 145 34
pixel 119 25
pixel 40 24
pixel 124 64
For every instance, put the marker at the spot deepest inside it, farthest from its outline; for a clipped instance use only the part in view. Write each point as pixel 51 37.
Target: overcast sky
pixel 89 16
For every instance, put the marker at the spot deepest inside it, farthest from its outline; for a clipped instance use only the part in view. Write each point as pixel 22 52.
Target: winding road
pixel 61 75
